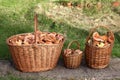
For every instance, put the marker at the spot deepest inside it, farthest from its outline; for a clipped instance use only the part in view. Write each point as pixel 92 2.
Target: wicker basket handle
pixel 78 45
pixel 94 29
pixel 35 27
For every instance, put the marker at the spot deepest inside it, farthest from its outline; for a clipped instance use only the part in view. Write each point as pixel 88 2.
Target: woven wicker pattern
pixel 33 58
pixel 72 61
pixel 98 57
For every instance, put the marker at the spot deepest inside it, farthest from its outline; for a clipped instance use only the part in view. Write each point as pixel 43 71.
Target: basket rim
pixel 7 41
pixel 73 55
pixel 94 29
pixel 87 44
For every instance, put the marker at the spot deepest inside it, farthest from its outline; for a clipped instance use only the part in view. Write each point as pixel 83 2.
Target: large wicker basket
pixel 98 57
pixel 72 61
pixel 35 57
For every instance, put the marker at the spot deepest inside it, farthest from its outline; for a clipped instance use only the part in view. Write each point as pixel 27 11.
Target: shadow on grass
pixel 116 48
pixel 61 2
pixel 116 10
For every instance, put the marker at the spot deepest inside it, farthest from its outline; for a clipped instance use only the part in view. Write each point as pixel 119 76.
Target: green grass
pixel 13 77
pixel 10 77
pixel 14 19
pixel 16 16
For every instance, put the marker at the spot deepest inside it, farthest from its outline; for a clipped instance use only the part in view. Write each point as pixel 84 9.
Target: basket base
pixel 34 70
pixel 72 67
pixel 98 67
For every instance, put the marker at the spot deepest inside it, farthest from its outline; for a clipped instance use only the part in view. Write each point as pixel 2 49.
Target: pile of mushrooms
pixel 68 52
pixel 41 38
pixel 101 40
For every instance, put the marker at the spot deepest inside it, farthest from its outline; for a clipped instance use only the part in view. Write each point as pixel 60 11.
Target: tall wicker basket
pixel 35 57
pixel 72 61
pixel 98 57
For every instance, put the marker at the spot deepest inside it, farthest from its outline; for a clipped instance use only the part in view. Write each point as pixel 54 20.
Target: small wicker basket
pixel 72 61
pixel 98 57
pixel 35 57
